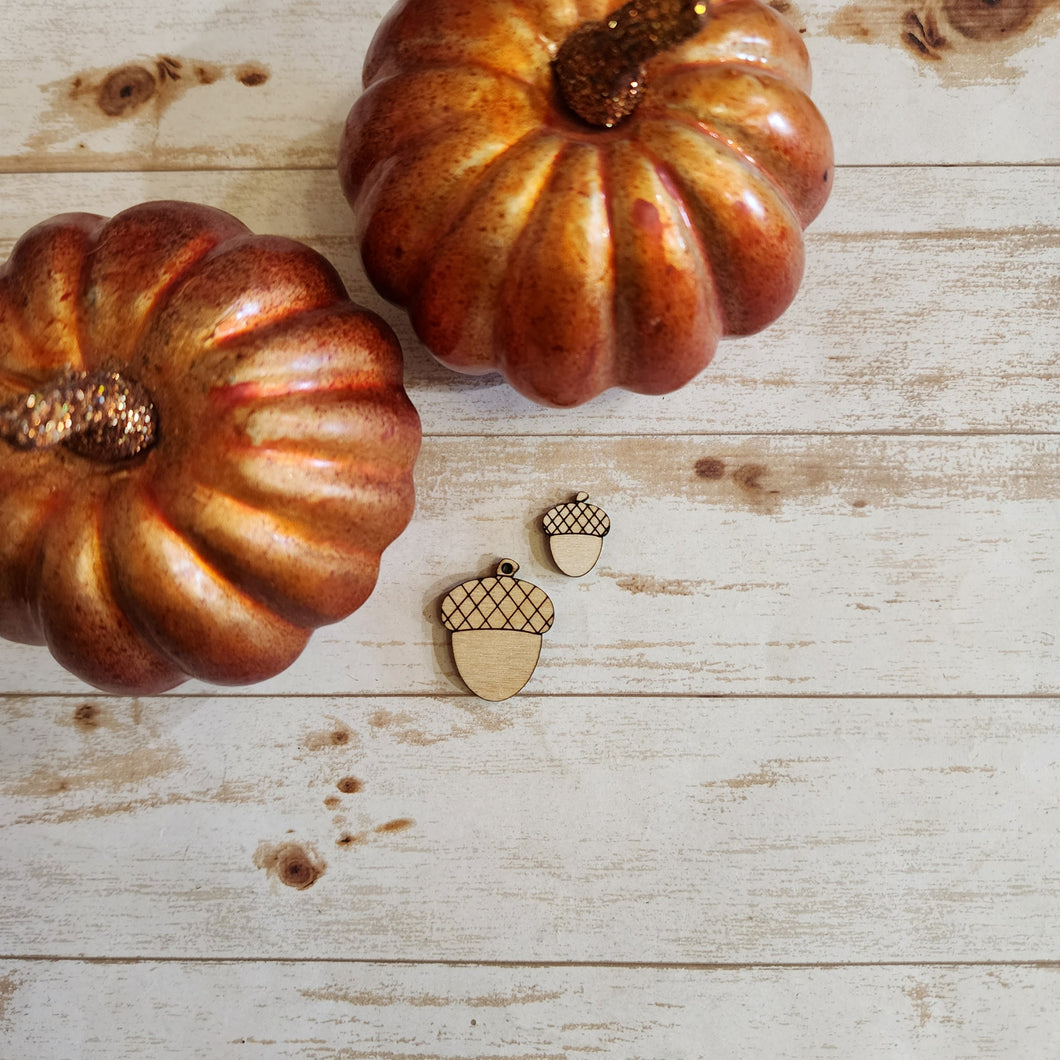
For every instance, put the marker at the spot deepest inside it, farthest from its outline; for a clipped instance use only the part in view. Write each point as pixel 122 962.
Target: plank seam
pixel 1045 964
pixel 89 693
pixel 1047 163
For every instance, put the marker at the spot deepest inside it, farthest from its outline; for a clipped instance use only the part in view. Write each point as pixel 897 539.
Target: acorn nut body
pixel 496 625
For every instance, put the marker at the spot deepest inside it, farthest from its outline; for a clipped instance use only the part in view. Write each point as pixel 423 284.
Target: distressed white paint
pixel 623 829
pixel 931 303
pixel 439 1012
pixel 991 102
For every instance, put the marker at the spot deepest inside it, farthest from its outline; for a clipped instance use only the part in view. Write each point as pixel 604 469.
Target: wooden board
pixel 849 564
pixel 630 829
pixel 268 85
pixel 445 1012
pixel 931 304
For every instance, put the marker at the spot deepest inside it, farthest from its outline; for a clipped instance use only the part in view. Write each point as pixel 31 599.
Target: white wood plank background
pixel 854 564
pixel 620 829
pixel 445 1012
pixel 931 304
pixel 785 783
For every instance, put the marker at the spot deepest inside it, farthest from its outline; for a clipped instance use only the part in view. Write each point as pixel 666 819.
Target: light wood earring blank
pixel 496 625
pixel 576 533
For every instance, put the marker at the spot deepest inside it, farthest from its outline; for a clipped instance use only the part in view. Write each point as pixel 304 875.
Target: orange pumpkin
pixel 576 256
pixel 275 468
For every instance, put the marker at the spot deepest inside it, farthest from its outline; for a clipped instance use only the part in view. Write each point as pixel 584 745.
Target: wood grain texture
pixel 121 85
pixel 380 1012
pixel 931 303
pixel 820 565
pixel 624 829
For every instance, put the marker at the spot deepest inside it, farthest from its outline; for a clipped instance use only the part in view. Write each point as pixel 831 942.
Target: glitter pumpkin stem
pixel 599 67
pixel 99 415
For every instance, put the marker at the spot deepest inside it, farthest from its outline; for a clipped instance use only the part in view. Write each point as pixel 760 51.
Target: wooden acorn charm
pixel 496 624
pixel 576 533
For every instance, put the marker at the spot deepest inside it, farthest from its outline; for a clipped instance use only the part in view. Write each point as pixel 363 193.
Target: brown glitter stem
pixel 99 415
pixel 599 67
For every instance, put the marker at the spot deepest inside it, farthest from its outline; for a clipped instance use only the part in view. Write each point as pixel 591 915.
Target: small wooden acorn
pixel 496 624
pixel 576 533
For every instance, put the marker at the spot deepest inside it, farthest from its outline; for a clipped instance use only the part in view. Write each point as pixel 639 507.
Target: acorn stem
pixel 102 416
pixel 599 67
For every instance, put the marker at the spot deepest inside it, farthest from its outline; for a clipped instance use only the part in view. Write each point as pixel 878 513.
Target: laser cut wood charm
pixel 496 624
pixel 576 533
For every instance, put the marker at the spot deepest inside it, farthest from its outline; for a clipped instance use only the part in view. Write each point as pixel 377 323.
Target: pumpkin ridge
pixel 705 220
pixel 94 607
pixel 669 185
pixel 358 161
pixel 618 349
pixel 197 233
pixel 27 574
pixel 189 653
pixel 227 555
pixel 14 384
pixel 298 357
pixel 529 17
pixel 784 48
pixel 336 488
pixel 497 174
pixel 760 66
pixel 746 160
pixel 376 471
pixel 307 525
pixel 554 367
pixel 52 244
pixel 487 174
pixel 671 181
pixel 391 46
pixel 312 417
pixel 319 285
pixel 397 282
pixel 657 109
pixel 80 316
pixel 250 395
pixel 445 65
pixel 515 253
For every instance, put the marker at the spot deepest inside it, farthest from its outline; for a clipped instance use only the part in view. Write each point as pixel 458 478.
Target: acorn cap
pixel 577 517
pixel 500 602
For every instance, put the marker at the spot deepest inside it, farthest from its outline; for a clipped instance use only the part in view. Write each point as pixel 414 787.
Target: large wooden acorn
pixel 580 197
pixel 496 625
pixel 205 447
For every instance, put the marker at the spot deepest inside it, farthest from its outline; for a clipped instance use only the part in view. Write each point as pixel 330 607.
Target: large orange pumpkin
pixel 572 256
pixel 277 467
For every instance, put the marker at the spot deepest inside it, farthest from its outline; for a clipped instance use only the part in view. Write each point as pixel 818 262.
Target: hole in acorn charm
pixel 496 625
pixel 576 533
